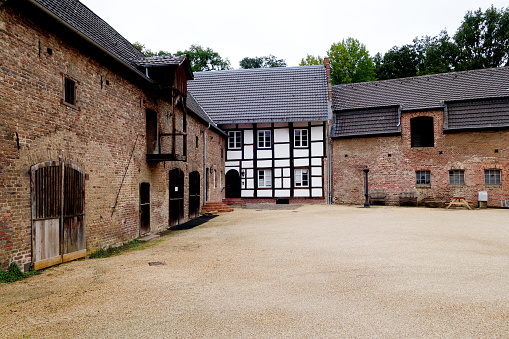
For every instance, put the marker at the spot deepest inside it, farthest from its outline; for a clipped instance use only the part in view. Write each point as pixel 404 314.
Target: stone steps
pixel 216 206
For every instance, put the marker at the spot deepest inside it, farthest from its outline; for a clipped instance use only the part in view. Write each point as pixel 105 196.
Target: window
pixel 69 91
pixel 492 177
pixel 301 137
pixel 422 178
pixel 234 140
pixel 264 178
pixel 301 178
pixel 263 139
pixel 457 177
pixel 422 133
pixel 197 141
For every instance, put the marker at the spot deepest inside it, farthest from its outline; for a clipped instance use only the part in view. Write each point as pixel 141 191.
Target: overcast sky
pixel 287 29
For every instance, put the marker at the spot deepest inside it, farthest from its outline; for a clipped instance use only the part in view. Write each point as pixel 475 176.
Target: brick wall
pixel 393 162
pixel 104 135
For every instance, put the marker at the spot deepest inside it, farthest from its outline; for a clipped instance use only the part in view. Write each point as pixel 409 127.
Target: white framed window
pixel 300 137
pixel 456 177
pixel 422 178
pixel 492 177
pixel 264 178
pixel 234 140
pixel 264 139
pixel 302 177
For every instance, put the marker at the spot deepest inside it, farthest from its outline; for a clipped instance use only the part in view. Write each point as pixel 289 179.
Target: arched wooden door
pixel 176 187
pixel 144 208
pixel 194 194
pixel 232 184
pixel 58 213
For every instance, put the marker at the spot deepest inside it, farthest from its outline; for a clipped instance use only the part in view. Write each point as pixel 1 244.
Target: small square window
pixel 301 178
pixel 301 137
pixel 422 178
pixel 69 91
pixel 457 177
pixel 264 178
pixel 492 177
pixel 264 139
pixel 234 140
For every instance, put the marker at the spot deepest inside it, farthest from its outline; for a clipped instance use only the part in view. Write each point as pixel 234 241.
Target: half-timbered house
pixel 276 121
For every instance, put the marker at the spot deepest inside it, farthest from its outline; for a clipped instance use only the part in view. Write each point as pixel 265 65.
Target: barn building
pixel 432 137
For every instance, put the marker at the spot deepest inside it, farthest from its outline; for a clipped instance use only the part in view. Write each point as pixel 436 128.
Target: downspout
pixel 205 198
pixel 329 151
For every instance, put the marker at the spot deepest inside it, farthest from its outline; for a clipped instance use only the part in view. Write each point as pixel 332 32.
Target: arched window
pixel 422 133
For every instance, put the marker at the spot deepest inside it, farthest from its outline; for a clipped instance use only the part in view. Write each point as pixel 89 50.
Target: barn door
pixel 144 208
pixel 176 187
pixel 58 213
pixel 194 194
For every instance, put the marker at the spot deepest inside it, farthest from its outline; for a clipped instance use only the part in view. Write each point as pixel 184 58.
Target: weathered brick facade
pixel 104 134
pixel 393 163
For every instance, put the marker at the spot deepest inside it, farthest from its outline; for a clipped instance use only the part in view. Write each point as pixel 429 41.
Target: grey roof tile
pixel 280 94
pixel 423 91
pixel 195 108
pixel 176 60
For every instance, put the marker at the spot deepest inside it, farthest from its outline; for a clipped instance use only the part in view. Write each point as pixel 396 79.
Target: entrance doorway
pixel 194 194
pixel 58 213
pixel 232 184
pixel 144 208
pixel 176 187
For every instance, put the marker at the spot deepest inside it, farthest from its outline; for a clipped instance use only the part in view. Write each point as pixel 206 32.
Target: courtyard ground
pixel 315 271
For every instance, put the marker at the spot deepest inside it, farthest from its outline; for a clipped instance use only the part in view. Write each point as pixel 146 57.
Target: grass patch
pixel 13 274
pixel 111 251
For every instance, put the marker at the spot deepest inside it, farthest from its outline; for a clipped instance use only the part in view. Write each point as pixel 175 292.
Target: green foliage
pixel 13 274
pixel 483 39
pixel 205 59
pixel 102 253
pixel 311 60
pixel 350 62
pixel 262 62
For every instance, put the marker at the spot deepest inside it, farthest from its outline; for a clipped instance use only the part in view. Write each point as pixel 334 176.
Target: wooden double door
pixel 58 213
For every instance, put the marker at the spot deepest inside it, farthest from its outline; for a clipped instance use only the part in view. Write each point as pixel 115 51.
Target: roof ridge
pixel 260 69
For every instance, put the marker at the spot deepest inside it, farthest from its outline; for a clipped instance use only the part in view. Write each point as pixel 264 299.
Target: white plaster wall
pixel 301 193
pixel 247 193
pixel 278 183
pixel 316 171
pixel 316 181
pixel 301 152
pixel 286 172
pixel 264 154
pixel 232 163
pixel 301 162
pixel 248 152
pixel 231 155
pixel 317 192
pixel 264 193
pixel 317 133
pixel 248 136
pixel 282 135
pixel 281 151
pixel 282 163
pixel 287 183
pixel 250 183
pixel 264 163
pixel 316 161
pixel 249 173
pixel 247 164
pixel 317 149
pixel 282 193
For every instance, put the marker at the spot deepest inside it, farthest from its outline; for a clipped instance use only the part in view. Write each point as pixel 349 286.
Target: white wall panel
pixel 278 183
pixel 316 181
pixel 297 152
pixel 248 152
pixel 232 163
pixel 301 193
pixel 247 193
pixel 301 162
pixel 317 149
pixel 277 172
pixel 264 163
pixel 317 133
pixel 247 164
pixel 282 193
pixel 281 151
pixel 248 136
pixel 249 173
pixel 264 193
pixel 282 135
pixel 264 154
pixel 316 161
pixel 250 183
pixel 286 172
pixel 316 171
pixel 282 163
pixel 287 183
pixel 232 155
pixel 316 192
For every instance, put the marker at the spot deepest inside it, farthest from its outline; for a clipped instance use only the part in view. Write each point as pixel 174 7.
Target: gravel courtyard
pixel 316 271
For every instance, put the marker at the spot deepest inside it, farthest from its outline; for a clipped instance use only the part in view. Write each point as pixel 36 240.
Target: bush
pixel 13 274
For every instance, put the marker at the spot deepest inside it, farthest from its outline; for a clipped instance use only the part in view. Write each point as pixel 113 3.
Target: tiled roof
pixel 280 94
pixel 88 23
pixel 423 91
pixel 159 61
pixel 193 106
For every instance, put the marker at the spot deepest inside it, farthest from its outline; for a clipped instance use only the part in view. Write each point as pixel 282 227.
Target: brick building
pixel 437 137
pixel 98 144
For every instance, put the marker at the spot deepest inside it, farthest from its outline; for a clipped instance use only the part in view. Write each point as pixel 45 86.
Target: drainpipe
pixel 328 132
pixel 205 198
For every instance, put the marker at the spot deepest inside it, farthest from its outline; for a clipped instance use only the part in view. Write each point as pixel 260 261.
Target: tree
pixel 262 62
pixel 205 59
pixel 311 60
pixel 398 62
pixel 483 39
pixel 350 62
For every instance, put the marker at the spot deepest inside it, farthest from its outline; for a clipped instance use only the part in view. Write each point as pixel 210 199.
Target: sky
pixel 286 29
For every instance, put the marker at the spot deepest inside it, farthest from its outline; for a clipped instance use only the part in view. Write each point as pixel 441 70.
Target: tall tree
pixel 262 62
pixel 483 39
pixel 205 59
pixel 350 62
pixel 311 60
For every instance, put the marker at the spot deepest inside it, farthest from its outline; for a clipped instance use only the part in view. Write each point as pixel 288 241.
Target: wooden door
pixel 58 213
pixel 144 208
pixel 176 187
pixel 194 194
pixel 232 184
